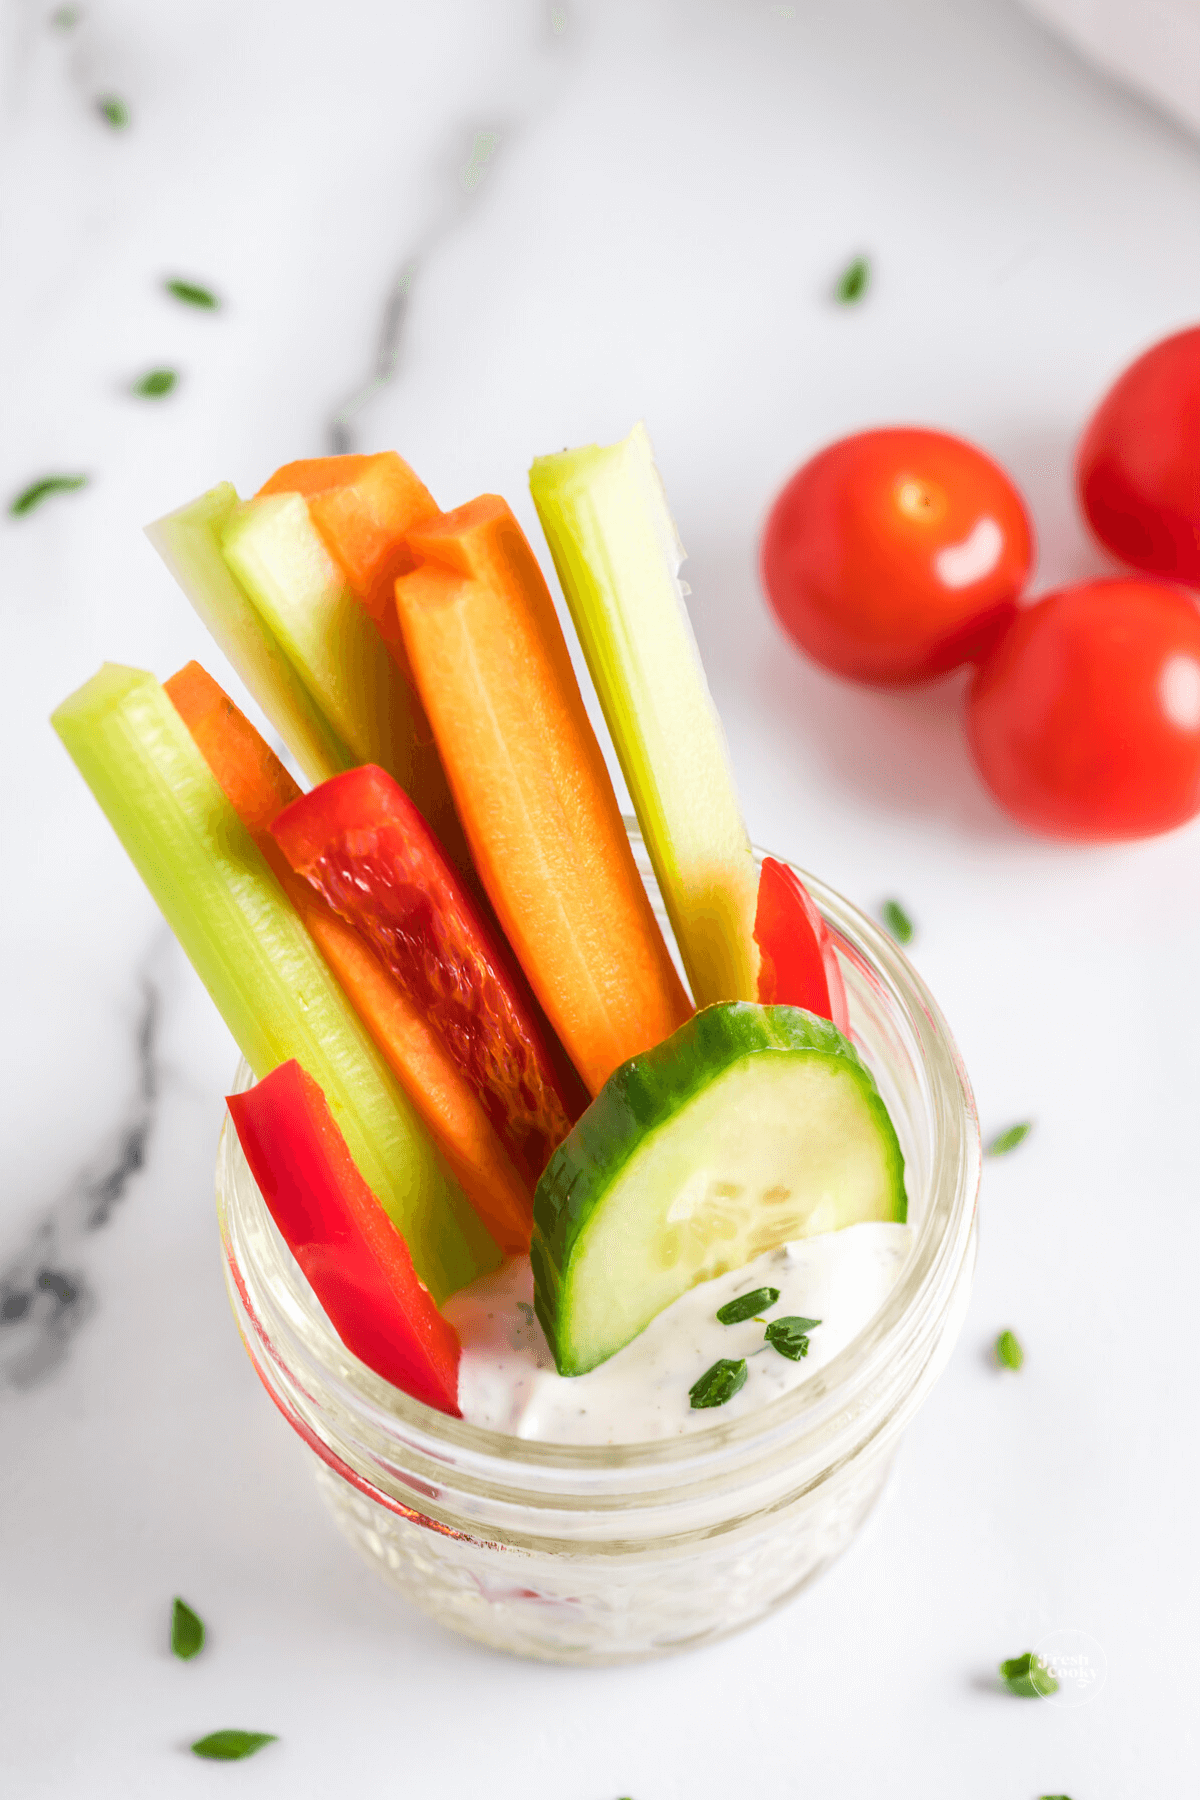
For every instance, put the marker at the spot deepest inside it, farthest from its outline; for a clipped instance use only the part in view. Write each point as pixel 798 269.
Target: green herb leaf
pixel 746 1305
pixel 790 1336
pixel 113 111
pixel 187 1630
pixel 65 19
pixel 897 921
pixel 853 282
pixel 192 294
pixel 232 1746
pixel 38 491
pixel 155 383
pixel 720 1383
pixel 1028 1676
pixel 1009 1353
pixel 1008 1140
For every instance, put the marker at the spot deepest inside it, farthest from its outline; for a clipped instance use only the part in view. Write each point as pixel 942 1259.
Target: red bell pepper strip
pixel 362 844
pixel 353 1258
pixel 799 966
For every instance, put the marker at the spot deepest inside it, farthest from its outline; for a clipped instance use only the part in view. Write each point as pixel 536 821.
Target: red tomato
pixel 1138 465
pixel 896 554
pixel 1085 718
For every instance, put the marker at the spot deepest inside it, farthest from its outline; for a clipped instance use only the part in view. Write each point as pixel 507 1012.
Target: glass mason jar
pixel 606 1554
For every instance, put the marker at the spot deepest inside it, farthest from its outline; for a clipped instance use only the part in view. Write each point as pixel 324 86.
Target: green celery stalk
pixel 277 555
pixel 250 949
pixel 618 557
pixel 189 542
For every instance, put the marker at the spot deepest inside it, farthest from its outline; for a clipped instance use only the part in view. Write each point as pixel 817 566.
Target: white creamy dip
pixel 508 1382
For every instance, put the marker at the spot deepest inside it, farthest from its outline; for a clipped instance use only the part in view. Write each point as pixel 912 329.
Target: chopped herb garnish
pixel 231 1746
pixel 1028 1676
pixel 113 111
pixel 65 19
pixel 187 1630
pixel 155 383
pixel 38 491
pixel 1008 1140
pixel 192 294
pixel 853 282
pixel 897 921
pixel 790 1336
pixel 746 1305
pixel 1009 1353
pixel 720 1383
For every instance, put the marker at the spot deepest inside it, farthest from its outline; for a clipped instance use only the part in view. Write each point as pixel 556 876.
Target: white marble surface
pixel 671 191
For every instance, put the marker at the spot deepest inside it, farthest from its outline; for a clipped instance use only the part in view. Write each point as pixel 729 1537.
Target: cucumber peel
pixel 279 559
pixel 749 1127
pixel 618 557
pixel 253 954
pixel 189 542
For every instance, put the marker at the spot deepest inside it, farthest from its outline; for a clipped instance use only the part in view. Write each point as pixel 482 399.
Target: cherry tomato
pixel 1085 718
pixel 1138 465
pixel 896 554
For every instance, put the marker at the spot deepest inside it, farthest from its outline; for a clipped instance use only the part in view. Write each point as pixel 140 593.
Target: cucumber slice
pixel 189 542
pixel 751 1126
pixel 250 949
pixel 278 556
pixel 618 556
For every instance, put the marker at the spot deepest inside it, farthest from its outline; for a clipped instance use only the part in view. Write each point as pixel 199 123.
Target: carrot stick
pixel 363 507
pixel 313 474
pixel 258 787
pixel 253 779
pixel 531 787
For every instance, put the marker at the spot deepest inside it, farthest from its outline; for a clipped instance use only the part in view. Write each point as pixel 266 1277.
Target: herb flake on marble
pixel 192 294
pixel 155 383
pixel 898 921
pixel 1028 1677
pixel 232 1746
pixel 187 1631
pixel 853 283
pixel 1004 1141
pixel 37 491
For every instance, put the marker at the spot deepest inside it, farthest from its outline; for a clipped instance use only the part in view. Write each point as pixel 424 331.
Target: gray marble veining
pixel 459 179
pixel 45 1293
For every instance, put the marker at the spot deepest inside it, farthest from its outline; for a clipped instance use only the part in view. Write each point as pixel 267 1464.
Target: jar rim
pixel 911 1319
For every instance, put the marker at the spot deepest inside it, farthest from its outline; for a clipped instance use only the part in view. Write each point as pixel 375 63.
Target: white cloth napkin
pixel 1150 45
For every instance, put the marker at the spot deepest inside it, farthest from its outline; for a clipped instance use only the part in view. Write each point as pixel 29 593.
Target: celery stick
pixel 189 542
pixel 618 557
pixel 277 554
pixel 252 953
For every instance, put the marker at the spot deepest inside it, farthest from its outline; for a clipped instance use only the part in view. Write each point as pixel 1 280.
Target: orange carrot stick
pixel 258 787
pixel 531 786
pixel 363 506
pixel 313 474
pixel 253 779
